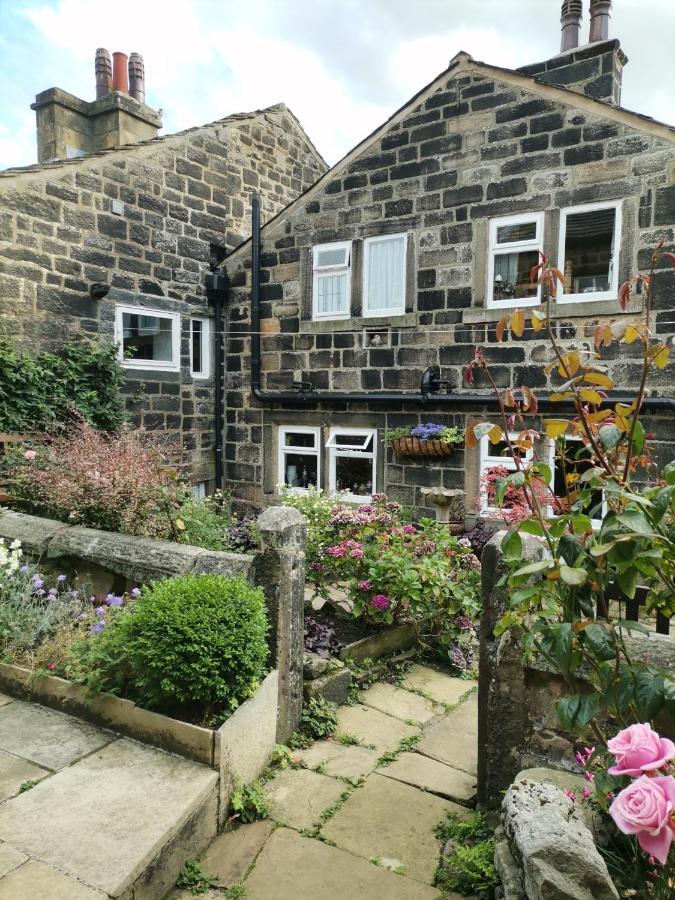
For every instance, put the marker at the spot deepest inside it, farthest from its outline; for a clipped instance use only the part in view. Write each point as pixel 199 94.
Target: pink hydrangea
pixel 638 749
pixel 30 455
pixel 645 809
pixel 409 529
pixel 336 551
pixel 380 601
pixel 364 585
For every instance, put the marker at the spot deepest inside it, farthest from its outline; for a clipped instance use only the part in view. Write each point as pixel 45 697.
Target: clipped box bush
pixel 193 646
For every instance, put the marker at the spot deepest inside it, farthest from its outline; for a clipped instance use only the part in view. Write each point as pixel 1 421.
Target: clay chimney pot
pixel 120 79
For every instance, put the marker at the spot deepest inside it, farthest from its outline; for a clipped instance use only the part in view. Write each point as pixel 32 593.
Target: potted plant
pixel 426 439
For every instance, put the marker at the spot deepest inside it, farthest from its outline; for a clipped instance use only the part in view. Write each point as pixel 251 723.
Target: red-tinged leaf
pixel 529 401
pixel 518 323
pixel 501 326
pixel 534 272
pixel 509 399
pixel 624 295
pixel 468 374
pixel 671 258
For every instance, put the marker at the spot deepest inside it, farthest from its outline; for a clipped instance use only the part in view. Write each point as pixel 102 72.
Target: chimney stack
pixel 570 23
pixel 103 67
pixel 600 13
pixel 137 77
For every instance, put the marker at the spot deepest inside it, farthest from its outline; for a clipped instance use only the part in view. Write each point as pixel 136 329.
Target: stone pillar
pixel 279 568
pixel 503 725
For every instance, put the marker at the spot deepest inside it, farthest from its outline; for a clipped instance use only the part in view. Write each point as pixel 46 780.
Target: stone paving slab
pixel 436 685
pixel 388 819
pixel 373 727
pixel 5 699
pixel 46 737
pixel 36 881
pixel 298 796
pixel 231 855
pixel 399 703
pixel 104 819
pixel 431 775
pixel 453 738
pixel 339 760
pixel 291 867
pixel 10 859
pixel 14 771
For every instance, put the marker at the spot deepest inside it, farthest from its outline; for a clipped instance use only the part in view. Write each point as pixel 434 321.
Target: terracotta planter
pixel 410 446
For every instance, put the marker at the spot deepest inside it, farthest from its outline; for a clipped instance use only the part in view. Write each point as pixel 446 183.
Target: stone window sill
pixel 328 326
pixel 589 310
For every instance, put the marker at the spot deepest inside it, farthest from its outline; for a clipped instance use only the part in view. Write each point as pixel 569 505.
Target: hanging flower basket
pixel 410 446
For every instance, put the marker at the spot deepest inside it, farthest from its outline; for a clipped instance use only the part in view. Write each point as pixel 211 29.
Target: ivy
pixel 42 390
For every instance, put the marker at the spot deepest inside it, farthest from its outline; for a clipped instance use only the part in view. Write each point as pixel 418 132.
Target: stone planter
pixel 388 640
pixel 411 446
pixel 239 750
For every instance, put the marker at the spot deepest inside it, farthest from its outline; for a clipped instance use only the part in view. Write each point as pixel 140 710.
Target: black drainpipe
pixel 216 292
pixel 313 398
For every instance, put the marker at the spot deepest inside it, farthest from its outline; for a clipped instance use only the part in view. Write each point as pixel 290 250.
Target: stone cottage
pixel 113 232
pixel 397 264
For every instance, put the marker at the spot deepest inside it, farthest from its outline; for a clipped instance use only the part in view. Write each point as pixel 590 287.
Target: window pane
pixel 197 338
pixel 512 275
pixel 357 441
pixel 332 291
pixel 521 231
pixel 333 257
pixel 589 239
pixel 386 274
pixel 300 469
pixel 149 337
pixel 353 474
pixel 299 439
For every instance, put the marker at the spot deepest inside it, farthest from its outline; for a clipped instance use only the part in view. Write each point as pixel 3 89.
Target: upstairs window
pixel 200 347
pixel 299 458
pixel 148 338
pixel 352 459
pixel 515 244
pixel 331 281
pixel 587 256
pixel 384 275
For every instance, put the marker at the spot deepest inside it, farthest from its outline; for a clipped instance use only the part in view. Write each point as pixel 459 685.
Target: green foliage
pixel 249 803
pixel 451 434
pixel 317 508
pixel 193 878
pixel 407 745
pixel 236 892
pixel 470 869
pixel 193 644
pixel 472 827
pixel 27 785
pixel 319 720
pixel 39 391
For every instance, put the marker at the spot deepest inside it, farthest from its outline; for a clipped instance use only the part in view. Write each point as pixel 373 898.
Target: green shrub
pixel 319 720
pixel 317 508
pixel 194 645
pixel 250 803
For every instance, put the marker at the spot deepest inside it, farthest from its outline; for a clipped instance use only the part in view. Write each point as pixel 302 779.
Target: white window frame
pixel 495 249
pixel 199 490
pixel 319 271
pixel 487 461
pixel 393 311
pixel 612 293
pixel 205 371
pixel 335 450
pixel 154 365
pixel 283 448
pixel 553 459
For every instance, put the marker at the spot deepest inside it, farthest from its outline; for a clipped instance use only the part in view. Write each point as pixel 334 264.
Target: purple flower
pixel 38 582
pixel 40 592
pixel 135 592
pixel 23 570
pixel 364 585
pixel 112 600
pixel 380 601
pixel 100 611
pixel 97 627
pixel 458 659
pixel 427 431
pixel 409 529
pixel 61 578
pixel 464 622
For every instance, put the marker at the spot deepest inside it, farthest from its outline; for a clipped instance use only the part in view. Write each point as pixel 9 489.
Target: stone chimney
pixel 68 127
pixel 595 68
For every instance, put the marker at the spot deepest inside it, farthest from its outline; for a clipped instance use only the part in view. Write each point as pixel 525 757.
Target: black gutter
pixel 217 291
pixel 313 398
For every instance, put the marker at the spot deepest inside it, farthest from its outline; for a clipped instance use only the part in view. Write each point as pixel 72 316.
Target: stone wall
pixel 147 220
pixel 477 143
pixel 518 726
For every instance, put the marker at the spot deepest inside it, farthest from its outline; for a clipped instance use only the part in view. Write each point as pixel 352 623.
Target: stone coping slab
pixel 398 637
pixel 203 745
pixel 385 819
pixel 292 867
pixel 104 819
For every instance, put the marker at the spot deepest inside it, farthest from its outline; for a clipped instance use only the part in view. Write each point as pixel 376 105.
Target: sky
pixel 342 66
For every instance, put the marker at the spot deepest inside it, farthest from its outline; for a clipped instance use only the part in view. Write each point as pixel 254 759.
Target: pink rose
pixel 645 808
pixel 638 749
pixel 30 454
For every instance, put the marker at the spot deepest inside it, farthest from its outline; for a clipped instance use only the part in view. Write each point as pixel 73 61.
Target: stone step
pixel 113 817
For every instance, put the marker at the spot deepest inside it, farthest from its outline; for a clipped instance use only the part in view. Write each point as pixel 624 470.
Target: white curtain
pixel 506 265
pixel 332 293
pixel 386 275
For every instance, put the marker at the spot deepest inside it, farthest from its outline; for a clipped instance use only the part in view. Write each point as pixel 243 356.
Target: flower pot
pixel 411 446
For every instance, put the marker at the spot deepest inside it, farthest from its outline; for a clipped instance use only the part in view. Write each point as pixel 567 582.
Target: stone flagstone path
pixel 351 824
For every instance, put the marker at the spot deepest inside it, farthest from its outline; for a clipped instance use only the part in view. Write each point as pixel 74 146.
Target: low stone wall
pixel 517 722
pixel 117 562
